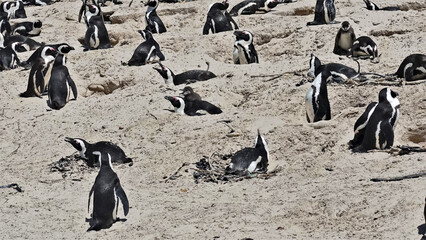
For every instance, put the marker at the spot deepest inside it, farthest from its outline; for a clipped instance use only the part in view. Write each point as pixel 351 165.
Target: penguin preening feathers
pixel 244 51
pixel 153 21
pixel 344 39
pixel 374 7
pixel 8 56
pixel 364 47
pixel 412 68
pixel 325 12
pixel 27 28
pixel 107 192
pixel 147 51
pixel 339 72
pixel 190 108
pixel 218 19
pixel 37 79
pixel 316 101
pixel 185 77
pixel 86 149
pixel 253 6
pixel 251 159
pixel 374 129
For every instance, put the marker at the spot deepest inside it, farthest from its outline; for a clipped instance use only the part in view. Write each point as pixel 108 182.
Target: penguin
pixel 96 34
pixel 252 7
pixel 339 72
pixel 147 51
pixel 86 149
pixel 344 39
pixel 364 47
pixel 61 48
pixel 251 159
pixel 5 27
pixel 325 12
pixel 87 14
pixel 374 7
pixel 18 11
pixel 6 9
pixel 244 52
pixel 8 57
pixel 375 128
pixel 190 76
pixel 27 28
pixel 189 94
pixel 218 19
pixel 412 68
pixel 153 22
pixel 317 104
pixel 60 84
pixel 37 2
pixel 190 108
pixel 27 44
pixel 37 79
pixel 107 192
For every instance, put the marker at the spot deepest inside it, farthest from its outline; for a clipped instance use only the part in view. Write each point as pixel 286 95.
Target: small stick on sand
pixel 174 175
pixel 391 179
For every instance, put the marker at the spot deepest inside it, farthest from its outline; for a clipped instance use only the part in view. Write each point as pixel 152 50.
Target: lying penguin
pixel 412 68
pixel 107 192
pixel 27 28
pixel 339 72
pixel 253 6
pixel 27 43
pixel 374 129
pixel 244 51
pixel 374 7
pixel 250 159
pixel 190 108
pixel 146 52
pixel 185 77
pixel 218 19
pixel 364 48
pixel 86 149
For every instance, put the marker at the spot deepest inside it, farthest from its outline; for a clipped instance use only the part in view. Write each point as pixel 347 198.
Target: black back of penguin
pixel 60 85
pixel 146 51
pixel 191 108
pixel 107 192
pixel 28 28
pixel 251 159
pixel 185 77
pixel 218 19
pixel 252 6
pixel 339 72
pixel 412 68
pixel 364 47
pixel 325 12
pixel 153 21
pixel 379 132
pixel 317 103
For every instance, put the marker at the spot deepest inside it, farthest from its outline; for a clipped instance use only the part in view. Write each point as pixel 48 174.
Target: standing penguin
pixel 375 128
pixel 218 19
pixel 96 34
pixel 27 28
pixel 190 108
pixel 107 192
pixel 185 77
pixel 60 84
pixel 147 51
pixel 317 104
pixel 253 6
pixel 251 159
pixel 325 12
pixel 86 149
pixel 153 22
pixel 244 52
pixel 37 79
pixel 364 47
pixel 8 57
pixel 344 39
pixel 412 68
pixel 374 7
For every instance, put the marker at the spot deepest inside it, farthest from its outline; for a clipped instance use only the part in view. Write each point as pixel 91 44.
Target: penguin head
pixel 152 4
pixel 48 54
pixel 261 145
pixel 372 51
pixel 104 159
pixel 37 24
pixel 93 10
pixel 64 48
pixel 345 26
pixel 386 94
pixel 177 102
pixel 79 144
pixel 271 3
pixel 146 34
pixel 187 90
pixel 314 64
pixel 165 72
pixel 244 37
pixel 15 45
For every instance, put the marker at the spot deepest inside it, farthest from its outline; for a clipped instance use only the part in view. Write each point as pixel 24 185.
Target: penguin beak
pixel 70 140
pixel 72 48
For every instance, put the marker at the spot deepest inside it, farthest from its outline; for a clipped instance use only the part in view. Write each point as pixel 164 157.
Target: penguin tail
pixel 95 227
pixel 215 110
pixel 129 160
pixel 358 149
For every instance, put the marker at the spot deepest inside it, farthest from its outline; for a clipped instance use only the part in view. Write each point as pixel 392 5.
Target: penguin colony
pixel 50 76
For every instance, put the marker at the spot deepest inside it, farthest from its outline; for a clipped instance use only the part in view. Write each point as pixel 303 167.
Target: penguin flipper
pixel 73 87
pixel 210 108
pixel 251 9
pixel 207 26
pixel 231 21
pixel 123 198
pixel 160 54
pixel 88 202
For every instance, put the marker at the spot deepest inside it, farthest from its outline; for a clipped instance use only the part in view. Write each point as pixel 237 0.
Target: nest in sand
pixel 213 169
pixel 70 165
